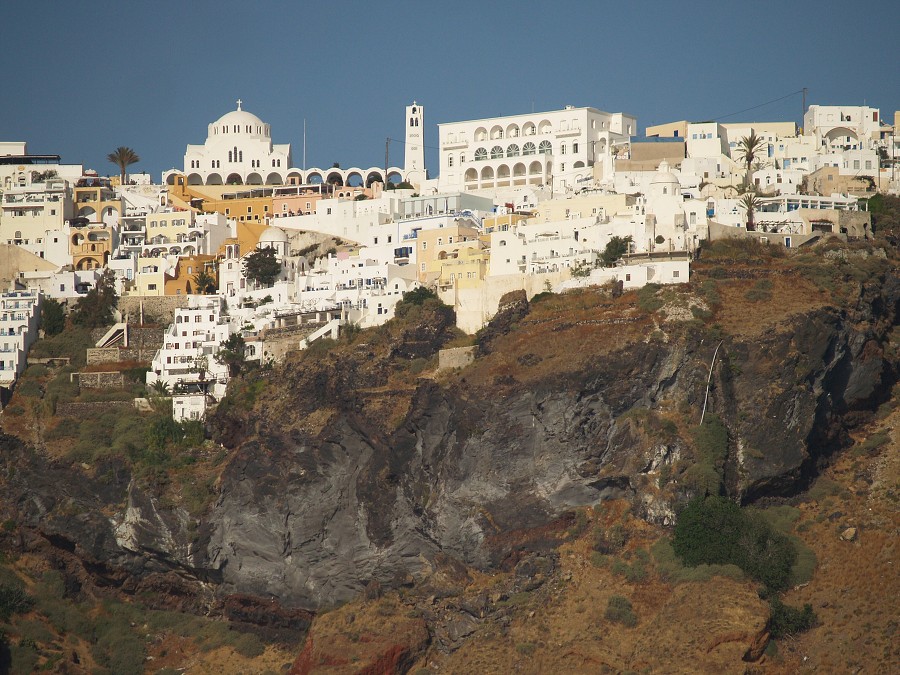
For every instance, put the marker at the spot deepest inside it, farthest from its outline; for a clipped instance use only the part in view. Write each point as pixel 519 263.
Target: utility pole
pixel 803 111
pixel 387 145
pixel 304 144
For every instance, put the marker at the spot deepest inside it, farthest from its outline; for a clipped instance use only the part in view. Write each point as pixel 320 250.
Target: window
pixel 496 152
pixel 676 274
pixel 574 148
pixel 512 150
pixel 627 277
pixel 152 287
pixel 545 148
pixel 480 154
pixel 449 160
pixel 562 149
pixel 424 245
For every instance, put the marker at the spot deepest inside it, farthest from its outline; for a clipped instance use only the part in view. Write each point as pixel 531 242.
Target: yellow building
pixel 172 233
pixel 444 240
pixel 186 269
pixel 582 206
pixel 458 266
pixel 244 203
pixel 668 130
pixel 91 247
pixel 96 200
pixel 151 276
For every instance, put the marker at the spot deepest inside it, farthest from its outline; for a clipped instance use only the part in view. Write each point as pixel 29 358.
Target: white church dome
pixel 272 235
pixel 239 122
pixel 664 176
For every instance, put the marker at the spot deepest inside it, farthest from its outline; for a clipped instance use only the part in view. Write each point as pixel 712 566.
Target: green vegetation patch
pixel 711 448
pixel 671 569
pixel 648 299
pixel 787 620
pixel 619 610
pixel 715 531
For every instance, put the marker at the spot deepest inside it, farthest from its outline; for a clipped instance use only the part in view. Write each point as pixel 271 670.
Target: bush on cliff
pixel 715 531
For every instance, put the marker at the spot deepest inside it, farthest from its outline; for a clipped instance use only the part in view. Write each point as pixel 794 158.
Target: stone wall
pixel 459 357
pixel 92 408
pixel 101 380
pixel 157 308
pixel 118 354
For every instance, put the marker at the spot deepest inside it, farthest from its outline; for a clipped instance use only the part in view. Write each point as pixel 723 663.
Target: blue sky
pixel 82 78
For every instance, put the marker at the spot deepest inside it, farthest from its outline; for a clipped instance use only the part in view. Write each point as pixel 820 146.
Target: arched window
pixel 449 160
pixel 545 148
pixel 480 154
pixel 512 150
pixel 528 148
pixel 229 155
pixel 496 152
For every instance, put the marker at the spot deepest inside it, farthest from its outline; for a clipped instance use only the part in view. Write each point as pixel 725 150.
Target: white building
pixel 558 148
pixel 29 213
pixel 838 128
pixel 20 315
pixel 365 290
pixel 238 149
pixel 190 344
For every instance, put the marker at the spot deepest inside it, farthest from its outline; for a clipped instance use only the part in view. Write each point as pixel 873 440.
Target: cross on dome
pixel 239 103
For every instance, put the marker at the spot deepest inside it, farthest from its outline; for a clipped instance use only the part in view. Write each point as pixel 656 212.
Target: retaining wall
pixel 458 357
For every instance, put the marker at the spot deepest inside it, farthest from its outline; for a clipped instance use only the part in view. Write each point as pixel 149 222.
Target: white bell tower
pixel 414 157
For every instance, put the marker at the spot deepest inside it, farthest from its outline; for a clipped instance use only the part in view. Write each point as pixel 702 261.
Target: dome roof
pixel 240 122
pixel 273 235
pixel 663 175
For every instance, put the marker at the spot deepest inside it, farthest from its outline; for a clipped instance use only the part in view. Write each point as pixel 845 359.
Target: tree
pixel 96 308
pixel 53 317
pixel 581 268
pixel 750 202
pixel 204 282
pixel 715 531
pixel 262 266
pixel 122 158
pixel 161 388
pixel 615 249
pixel 233 353
pixel 748 149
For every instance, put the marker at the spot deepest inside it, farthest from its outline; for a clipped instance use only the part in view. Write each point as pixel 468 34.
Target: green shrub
pixel 619 610
pixel 14 410
pixel 611 540
pixel 711 447
pixel 37 370
pixel 13 600
pixel 787 620
pixel 647 300
pixel 713 530
pixel 29 388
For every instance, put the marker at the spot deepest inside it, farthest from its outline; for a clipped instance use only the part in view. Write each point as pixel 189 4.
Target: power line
pixel 761 105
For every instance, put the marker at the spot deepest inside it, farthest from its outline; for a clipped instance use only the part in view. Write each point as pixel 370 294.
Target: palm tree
pixel 160 388
pixel 748 148
pixel 750 202
pixel 122 158
pixel 204 282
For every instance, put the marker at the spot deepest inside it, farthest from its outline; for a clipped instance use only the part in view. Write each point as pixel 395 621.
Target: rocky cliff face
pixel 347 470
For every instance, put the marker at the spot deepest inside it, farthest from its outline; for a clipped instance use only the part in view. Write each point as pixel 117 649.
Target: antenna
pixel 304 144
